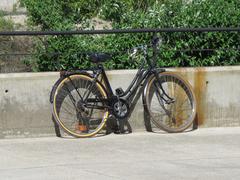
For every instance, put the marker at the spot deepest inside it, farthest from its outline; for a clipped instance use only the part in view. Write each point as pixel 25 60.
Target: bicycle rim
pixel 77 118
pixel 171 105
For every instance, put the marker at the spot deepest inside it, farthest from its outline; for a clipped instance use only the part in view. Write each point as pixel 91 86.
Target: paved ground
pixel 201 154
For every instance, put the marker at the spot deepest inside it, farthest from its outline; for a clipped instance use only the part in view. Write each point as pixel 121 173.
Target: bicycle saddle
pixel 99 57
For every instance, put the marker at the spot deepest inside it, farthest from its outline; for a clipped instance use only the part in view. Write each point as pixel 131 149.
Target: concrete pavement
pixel 208 153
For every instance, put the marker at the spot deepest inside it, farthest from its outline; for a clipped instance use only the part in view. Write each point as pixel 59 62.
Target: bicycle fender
pixel 158 71
pixel 63 75
pixel 145 90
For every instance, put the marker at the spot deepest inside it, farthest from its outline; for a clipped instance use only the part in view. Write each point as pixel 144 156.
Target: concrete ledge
pixel 25 109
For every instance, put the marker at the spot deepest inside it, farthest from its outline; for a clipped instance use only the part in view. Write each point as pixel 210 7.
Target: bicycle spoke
pixel 74 115
pixel 67 111
pixel 173 110
pixel 75 88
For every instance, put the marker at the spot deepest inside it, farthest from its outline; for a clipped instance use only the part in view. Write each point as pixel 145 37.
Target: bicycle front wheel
pixel 78 105
pixel 170 102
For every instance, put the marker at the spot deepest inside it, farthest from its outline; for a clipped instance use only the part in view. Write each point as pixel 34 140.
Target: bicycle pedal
pixel 119 91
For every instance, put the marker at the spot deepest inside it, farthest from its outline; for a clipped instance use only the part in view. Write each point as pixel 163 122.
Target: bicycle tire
pixel 81 121
pixel 174 105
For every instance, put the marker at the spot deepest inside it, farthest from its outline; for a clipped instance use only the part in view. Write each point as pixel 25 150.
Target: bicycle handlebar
pixel 155 42
pixel 136 49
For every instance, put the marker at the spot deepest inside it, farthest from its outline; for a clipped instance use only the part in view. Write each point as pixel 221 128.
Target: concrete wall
pixel 25 110
pixel 7 5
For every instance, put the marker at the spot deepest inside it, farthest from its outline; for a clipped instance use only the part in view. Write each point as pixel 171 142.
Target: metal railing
pixel 117 31
pixel 123 31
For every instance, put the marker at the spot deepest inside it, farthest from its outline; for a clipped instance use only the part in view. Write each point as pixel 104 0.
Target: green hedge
pixel 125 14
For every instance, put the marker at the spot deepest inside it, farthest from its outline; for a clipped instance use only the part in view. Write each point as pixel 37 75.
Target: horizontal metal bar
pixel 114 53
pixel 203 50
pixel 117 31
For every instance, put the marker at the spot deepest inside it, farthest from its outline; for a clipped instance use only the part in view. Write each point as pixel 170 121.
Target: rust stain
pixel 178 112
pixel 199 90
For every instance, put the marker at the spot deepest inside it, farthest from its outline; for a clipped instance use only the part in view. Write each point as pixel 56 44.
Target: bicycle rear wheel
pixel 78 105
pixel 170 102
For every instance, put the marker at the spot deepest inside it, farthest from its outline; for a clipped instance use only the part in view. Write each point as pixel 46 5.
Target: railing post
pixel 155 40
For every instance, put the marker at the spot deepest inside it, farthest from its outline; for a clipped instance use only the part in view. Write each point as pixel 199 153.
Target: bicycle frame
pixel 134 85
pixel 139 80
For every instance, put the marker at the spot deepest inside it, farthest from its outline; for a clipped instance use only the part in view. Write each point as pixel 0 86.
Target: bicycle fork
pixel 163 98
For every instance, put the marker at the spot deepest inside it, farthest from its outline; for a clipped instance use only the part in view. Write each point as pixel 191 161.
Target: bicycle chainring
pixel 120 108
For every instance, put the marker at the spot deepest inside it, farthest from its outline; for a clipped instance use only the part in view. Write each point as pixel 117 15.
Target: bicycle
pixel 82 101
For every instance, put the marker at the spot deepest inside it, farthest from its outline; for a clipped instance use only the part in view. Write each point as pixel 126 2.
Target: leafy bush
pixel 176 14
pixel 5 25
pixel 68 52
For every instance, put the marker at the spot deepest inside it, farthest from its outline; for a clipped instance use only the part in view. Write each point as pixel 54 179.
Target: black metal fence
pixel 6 58
pixel 116 31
